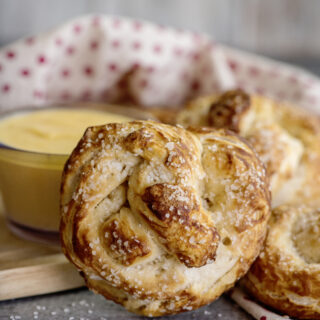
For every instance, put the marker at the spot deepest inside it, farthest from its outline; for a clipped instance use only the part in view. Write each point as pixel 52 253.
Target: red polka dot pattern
pixel 115 43
pixel 274 79
pixel 96 21
pixel 88 71
pixel 70 50
pixel 112 67
pixel 6 88
pixel 136 45
pixel 157 48
pixel 25 72
pixel 77 28
pixel 11 54
pixel 178 52
pixel 233 65
pixel 107 59
pixel 42 59
pixel 258 312
pixel 38 94
pixel 65 73
pixel 94 45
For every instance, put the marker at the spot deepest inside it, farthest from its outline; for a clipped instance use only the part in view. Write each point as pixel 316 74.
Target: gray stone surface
pixel 84 305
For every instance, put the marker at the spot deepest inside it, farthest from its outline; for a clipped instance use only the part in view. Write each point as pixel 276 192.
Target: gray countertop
pixel 82 304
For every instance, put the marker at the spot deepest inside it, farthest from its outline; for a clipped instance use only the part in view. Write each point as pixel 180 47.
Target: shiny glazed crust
pixel 286 275
pixel 160 219
pixel 286 138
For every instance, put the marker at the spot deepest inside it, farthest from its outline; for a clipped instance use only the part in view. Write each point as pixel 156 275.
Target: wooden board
pixel 28 269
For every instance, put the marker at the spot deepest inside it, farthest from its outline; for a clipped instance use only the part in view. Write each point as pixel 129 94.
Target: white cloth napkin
pixel 109 59
pixel 254 309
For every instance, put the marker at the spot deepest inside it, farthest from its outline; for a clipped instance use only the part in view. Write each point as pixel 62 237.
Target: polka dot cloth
pixel 109 59
pixel 277 80
pixel 115 59
pixel 257 311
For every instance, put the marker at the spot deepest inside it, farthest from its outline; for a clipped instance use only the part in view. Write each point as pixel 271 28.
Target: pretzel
pixel 287 139
pixel 286 275
pixel 160 219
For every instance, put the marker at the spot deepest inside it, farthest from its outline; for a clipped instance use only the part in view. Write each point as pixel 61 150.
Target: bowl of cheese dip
pixel 34 145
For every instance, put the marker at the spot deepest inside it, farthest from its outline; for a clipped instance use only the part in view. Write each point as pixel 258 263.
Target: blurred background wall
pixel 285 29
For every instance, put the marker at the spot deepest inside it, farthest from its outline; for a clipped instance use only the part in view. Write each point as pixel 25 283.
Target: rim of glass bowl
pixel 128 111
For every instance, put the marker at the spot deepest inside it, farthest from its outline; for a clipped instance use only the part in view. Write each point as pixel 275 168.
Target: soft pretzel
pixel 286 138
pixel 286 275
pixel 160 219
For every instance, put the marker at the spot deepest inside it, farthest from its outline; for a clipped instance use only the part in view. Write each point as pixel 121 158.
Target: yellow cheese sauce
pixel 30 182
pixel 52 130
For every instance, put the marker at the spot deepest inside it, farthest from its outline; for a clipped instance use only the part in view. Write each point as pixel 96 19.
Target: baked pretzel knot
pixel 161 219
pixel 286 138
pixel 286 275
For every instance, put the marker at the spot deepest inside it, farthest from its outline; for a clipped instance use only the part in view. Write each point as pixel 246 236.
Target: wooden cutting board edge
pixel 29 269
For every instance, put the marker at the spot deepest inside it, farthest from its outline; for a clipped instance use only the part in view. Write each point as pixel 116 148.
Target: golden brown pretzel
pixel 229 109
pixel 286 138
pixel 286 275
pixel 160 219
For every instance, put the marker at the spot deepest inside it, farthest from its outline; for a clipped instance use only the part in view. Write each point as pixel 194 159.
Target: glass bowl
pixel 30 181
